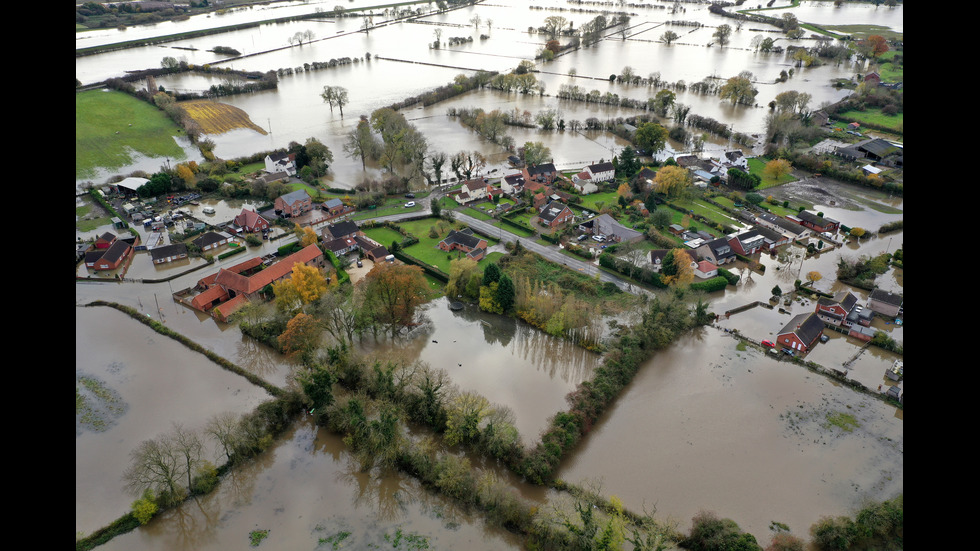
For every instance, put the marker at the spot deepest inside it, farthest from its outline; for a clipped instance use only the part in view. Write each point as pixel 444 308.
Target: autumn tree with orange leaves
pixel 301 335
pixel 876 44
pixel 306 235
pixel 393 293
pixel 306 284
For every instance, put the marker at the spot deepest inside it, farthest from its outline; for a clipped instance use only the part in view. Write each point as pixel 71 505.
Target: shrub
pixel 145 507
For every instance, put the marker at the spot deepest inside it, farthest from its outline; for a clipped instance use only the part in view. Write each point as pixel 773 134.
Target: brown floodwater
pixel 307 492
pixel 506 361
pixel 154 382
pixel 704 426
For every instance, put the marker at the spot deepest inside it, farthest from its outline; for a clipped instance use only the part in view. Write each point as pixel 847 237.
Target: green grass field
pixel 876 117
pixel 110 126
pixel 427 249
pixel 757 165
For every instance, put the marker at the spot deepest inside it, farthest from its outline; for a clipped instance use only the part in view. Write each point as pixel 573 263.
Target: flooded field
pixel 308 493
pixel 706 426
pixel 402 64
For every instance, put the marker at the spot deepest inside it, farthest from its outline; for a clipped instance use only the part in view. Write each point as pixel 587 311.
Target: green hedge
pixel 716 283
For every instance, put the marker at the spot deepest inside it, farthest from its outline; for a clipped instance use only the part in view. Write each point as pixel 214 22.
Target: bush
pixel 145 507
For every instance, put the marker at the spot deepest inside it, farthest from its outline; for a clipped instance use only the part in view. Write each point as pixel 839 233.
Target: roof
pixel 879 147
pixel 546 168
pixel 887 297
pixel 601 167
pixel 553 210
pixel 607 225
pixel 720 247
pixel 333 203
pixel 237 268
pixel 807 327
pixel 812 218
pixel 257 281
pixel 733 156
pixel 475 184
pixel 464 238
pixel 705 266
pixel 248 218
pixel 132 183
pixel 167 251
pixel 341 229
pixel 295 196
pixel 210 238
pixel 340 244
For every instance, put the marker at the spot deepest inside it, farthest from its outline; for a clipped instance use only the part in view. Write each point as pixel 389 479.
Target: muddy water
pixel 507 362
pixel 155 382
pixel 705 426
pixel 304 491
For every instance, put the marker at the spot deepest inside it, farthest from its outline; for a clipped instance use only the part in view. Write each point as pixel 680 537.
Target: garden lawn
pixel 708 211
pixel 427 249
pixel 385 236
pixel 607 198
pixel 757 165
pixel 111 126
pixel 876 117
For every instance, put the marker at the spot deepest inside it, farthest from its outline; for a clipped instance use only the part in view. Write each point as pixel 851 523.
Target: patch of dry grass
pixel 217 118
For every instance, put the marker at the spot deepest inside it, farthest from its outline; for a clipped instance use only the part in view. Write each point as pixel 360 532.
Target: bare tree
pixel 157 465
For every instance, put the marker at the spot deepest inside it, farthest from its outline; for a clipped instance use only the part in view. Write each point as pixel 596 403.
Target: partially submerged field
pixel 111 126
pixel 218 118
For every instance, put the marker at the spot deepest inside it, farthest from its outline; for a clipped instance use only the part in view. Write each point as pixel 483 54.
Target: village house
pixel 834 311
pixel 544 173
pixel 293 203
pixel 211 240
pixel 801 333
pixel 168 253
pixel 716 251
pixel 475 247
pixel 735 159
pixel 555 214
pixel 281 162
pixel 110 257
pixel 747 242
pixel 791 229
pixel 473 190
pixel 250 221
pixel 816 223
pixel 601 172
pixel 610 228
pixel 341 230
pixel 583 184
pixel 341 246
pixel 512 184
pixel 705 270
pixel 885 303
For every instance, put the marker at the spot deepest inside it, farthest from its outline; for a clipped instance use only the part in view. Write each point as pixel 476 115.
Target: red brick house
pixel 817 223
pixel 335 207
pixel 109 258
pixel 250 221
pixel 555 214
pixel 105 240
pixel 474 247
pixel 801 333
pixel 294 203
pixel 545 173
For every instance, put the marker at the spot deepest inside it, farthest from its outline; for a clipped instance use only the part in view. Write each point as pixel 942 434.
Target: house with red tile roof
pixel 250 221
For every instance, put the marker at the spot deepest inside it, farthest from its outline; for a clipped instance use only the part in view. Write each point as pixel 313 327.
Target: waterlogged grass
pixel 96 405
pixel 255 537
pixel 111 126
pixel 844 421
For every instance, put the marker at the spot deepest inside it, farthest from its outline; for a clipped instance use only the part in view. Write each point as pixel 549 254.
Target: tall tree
pixel 156 465
pixel 393 293
pixel 876 45
pixel 651 137
pixel 555 25
pixel 335 95
pixel 669 37
pixel 361 143
pixel 739 89
pixel 302 334
pixel 722 34
pixel 671 180
pixel 536 153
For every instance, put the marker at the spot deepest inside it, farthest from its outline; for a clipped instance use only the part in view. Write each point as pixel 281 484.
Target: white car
pixel 598 238
pixel 410 204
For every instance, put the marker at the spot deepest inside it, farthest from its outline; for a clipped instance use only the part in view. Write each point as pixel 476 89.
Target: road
pixel 551 253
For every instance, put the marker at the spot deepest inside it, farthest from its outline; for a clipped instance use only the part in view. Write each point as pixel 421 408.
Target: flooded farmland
pixel 706 424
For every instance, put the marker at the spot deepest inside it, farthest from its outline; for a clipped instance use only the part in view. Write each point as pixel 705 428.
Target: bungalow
pixel 211 240
pixel 555 214
pixel 168 253
pixel 293 203
pixel 836 310
pixel 705 270
pixel 611 229
pixel 270 177
pixel 341 230
pixel 281 162
pixel 801 333
pixel 885 303
pixel 601 172
pixel 109 258
pixel 474 246
pixel 861 332
pixel 717 251
pixel 817 223
pixel 250 221
pixel 377 253
pixel 771 238
pixel 341 246
pixel 793 230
